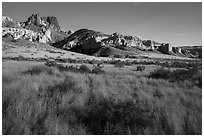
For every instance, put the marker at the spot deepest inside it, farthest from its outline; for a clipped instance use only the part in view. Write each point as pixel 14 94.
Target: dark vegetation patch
pixel 38 69
pixel 119 64
pixel 140 68
pixel 109 117
pixel 193 75
pixel 97 69
pixel 117 56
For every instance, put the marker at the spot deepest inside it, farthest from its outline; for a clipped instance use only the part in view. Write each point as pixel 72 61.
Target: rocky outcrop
pixel 149 44
pixel 46 29
pixel 30 35
pixel 165 48
pixel 176 49
pixel 5 18
pixel 80 38
pixel 89 41
pixel 122 41
pixel 90 47
pixel 134 41
pixel 37 23
pixel 69 32
pixel 192 51
pixel 115 40
pixel 9 22
pixel 152 45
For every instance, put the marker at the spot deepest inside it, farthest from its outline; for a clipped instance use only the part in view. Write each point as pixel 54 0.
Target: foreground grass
pixel 50 101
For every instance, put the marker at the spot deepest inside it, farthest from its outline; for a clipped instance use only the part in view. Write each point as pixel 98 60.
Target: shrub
pixel 84 69
pixel 106 117
pixel 98 69
pixel 119 64
pixel 50 63
pixel 109 117
pixel 160 73
pixel 117 56
pixel 131 56
pixel 140 68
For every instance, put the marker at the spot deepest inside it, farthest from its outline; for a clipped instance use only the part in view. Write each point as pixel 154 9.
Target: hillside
pixel 90 42
pixel 195 51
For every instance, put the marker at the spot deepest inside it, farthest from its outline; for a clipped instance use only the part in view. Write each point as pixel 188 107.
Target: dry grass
pixel 110 103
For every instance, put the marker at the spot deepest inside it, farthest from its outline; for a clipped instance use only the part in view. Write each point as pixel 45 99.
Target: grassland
pixel 38 99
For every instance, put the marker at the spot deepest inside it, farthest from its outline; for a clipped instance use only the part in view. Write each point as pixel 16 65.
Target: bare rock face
pixel 151 45
pixel 9 22
pixel 51 22
pixel 115 40
pixel 165 48
pixel 30 35
pixel 176 49
pixel 192 51
pixel 69 32
pixel 134 41
pixel 5 18
pixel 122 41
pixel 83 41
pixel 47 28
pixel 35 23
pixel 90 47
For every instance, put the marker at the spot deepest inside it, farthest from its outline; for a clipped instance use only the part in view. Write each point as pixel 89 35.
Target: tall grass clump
pixel 177 75
pixel 72 103
pixel 38 69
pixel 110 117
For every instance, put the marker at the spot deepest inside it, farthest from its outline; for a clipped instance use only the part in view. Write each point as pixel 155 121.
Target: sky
pixel 177 23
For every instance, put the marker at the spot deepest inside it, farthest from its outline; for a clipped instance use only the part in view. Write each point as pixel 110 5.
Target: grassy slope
pixel 119 102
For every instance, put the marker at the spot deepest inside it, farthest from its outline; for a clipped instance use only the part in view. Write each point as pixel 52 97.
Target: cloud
pixel 179 34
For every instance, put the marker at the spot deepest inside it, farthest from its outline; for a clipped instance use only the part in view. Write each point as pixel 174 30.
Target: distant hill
pixel 90 42
pixel 194 51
